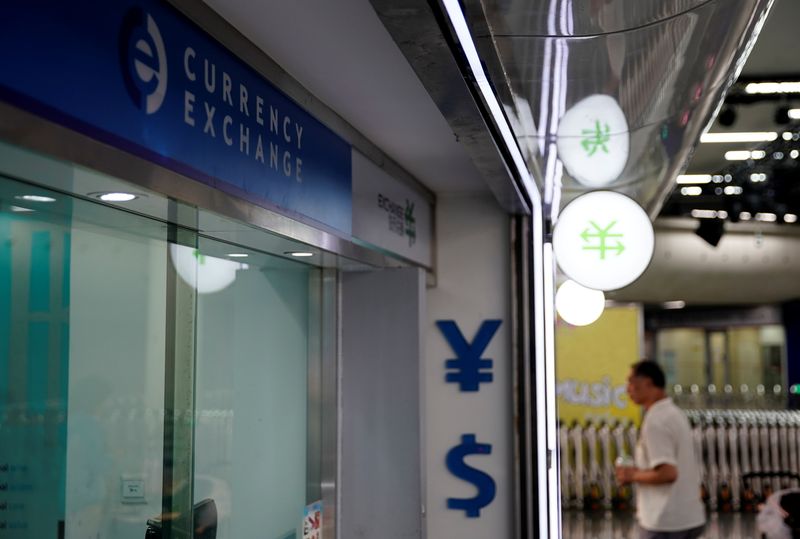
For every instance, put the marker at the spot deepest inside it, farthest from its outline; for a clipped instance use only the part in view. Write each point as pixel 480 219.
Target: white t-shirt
pixel 666 438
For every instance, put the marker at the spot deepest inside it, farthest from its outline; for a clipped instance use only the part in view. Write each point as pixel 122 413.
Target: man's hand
pixel 661 474
pixel 625 474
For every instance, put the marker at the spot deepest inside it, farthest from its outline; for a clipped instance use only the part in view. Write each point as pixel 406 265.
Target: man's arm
pixel 660 475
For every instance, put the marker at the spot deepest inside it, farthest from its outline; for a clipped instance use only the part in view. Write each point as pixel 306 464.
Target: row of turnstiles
pixel 744 455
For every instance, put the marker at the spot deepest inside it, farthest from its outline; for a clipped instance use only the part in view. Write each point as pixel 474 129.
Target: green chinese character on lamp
pixel 598 239
pixel 595 139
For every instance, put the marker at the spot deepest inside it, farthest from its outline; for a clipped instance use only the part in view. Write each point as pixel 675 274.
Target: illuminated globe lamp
pixel 593 141
pixel 578 305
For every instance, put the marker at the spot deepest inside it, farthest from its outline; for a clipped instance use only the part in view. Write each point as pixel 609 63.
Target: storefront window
pixel 144 370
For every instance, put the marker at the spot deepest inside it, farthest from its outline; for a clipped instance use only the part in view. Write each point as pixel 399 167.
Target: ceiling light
pixel 766 217
pixel 722 214
pixel 693 178
pixel 787 135
pixel 773 88
pixel 737 155
pixel 704 214
pixel 692 191
pixel 238 255
pixel 758 154
pixel 116 197
pixel 790 218
pixel 35 198
pixel 677 304
pixel 299 254
pixel 758 177
pixel 794 154
pixel 745 216
pixel 19 209
pixel 753 136
pixel 733 190
pixel 794 114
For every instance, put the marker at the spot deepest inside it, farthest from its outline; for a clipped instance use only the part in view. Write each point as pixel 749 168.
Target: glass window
pixel 144 369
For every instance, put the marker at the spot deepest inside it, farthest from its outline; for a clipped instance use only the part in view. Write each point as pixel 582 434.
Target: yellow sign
pixel 592 366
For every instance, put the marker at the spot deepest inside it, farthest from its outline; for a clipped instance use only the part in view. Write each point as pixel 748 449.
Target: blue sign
pixel 483 482
pixel 468 369
pixel 143 78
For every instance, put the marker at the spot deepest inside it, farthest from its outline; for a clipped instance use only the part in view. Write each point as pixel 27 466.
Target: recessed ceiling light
pixel 692 191
pixel 745 216
pixel 35 198
pixel 790 218
pixel 299 254
pixel 773 88
pixel 115 196
pixel 238 255
pixel 19 209
pixel 754 136
pixel 677 304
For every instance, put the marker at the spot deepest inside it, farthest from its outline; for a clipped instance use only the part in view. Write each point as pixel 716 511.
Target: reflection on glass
pixel 206 274
pixel 593 140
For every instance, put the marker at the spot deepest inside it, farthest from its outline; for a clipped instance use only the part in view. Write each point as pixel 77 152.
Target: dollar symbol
pixel 483 482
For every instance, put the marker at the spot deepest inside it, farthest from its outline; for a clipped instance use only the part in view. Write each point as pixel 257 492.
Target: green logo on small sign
pixel 598 239
pixel 411 223
pixel 595 139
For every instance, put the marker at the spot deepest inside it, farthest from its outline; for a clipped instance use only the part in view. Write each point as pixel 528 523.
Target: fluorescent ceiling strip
pixel 684 179
pixel 752 136
pixel 744 155
pixel 773 88
pixel 766 217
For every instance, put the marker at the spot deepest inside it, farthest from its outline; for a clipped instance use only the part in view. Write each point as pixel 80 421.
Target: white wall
pixel 381 481
pixel 473 285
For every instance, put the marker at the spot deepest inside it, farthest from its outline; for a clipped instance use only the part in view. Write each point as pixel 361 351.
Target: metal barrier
pixel 745 456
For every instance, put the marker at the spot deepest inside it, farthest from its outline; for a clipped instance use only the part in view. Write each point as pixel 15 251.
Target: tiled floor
pixel 580 525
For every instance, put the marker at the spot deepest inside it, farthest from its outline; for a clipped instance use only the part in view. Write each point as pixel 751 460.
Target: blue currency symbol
pixel 468 365
pixel 483 482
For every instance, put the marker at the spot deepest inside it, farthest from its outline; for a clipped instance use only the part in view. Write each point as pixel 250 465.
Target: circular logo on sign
pixel 593 140
pixel 603 240
pixel 143 60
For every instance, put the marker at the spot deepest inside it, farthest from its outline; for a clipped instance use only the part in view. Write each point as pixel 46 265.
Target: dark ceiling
pixel 762 188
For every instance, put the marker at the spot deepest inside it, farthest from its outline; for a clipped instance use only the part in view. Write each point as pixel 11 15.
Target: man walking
pixel 667 474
